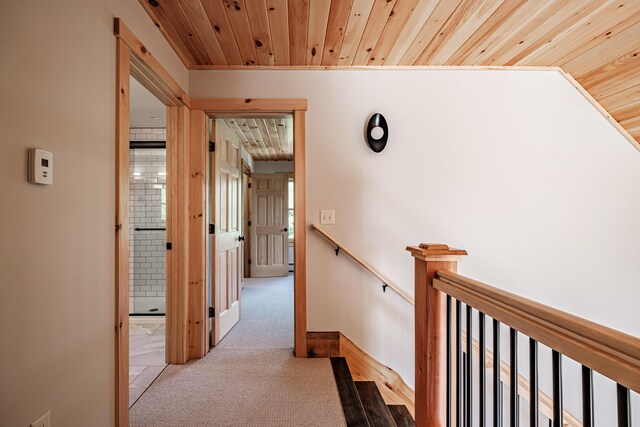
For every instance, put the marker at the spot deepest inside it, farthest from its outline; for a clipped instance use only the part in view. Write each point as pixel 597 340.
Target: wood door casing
pixel 246 214
pixel 269 235
pixel 162 85
pixel 228 250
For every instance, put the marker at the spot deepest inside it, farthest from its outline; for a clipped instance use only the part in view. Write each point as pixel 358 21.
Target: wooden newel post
pixel 430 330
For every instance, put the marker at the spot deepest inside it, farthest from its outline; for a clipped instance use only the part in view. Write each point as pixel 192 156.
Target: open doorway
pixel 187 254
pixel 251 172
pixel 147 238
pixel 134 60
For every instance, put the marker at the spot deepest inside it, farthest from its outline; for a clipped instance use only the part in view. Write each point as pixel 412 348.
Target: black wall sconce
pixel 377 132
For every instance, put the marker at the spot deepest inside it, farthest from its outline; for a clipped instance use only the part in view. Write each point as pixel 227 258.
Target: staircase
pixel 362 402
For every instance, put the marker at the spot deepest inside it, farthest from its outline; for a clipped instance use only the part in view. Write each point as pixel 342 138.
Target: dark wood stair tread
pixel 401 416
pixel 377 412
pixel 352 407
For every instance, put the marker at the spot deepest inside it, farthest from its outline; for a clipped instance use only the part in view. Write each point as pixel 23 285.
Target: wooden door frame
pixel 133 59
pixel 246 214
pixel 187 142
pixel 298 107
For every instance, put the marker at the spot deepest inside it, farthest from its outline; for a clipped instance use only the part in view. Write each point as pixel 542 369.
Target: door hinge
pixel 212 146
pixel 249 223
pixel 212 312
pixel 249 185
pixel 212 228
pixel 249 261
pixel 168 246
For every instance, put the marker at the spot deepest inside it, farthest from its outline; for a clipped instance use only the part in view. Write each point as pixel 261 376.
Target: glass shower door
pixel 147 217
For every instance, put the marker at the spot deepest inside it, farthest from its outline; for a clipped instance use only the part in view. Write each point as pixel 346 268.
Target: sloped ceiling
pixel 596 41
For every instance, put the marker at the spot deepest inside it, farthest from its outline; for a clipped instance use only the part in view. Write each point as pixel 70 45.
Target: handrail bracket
pixel 341 248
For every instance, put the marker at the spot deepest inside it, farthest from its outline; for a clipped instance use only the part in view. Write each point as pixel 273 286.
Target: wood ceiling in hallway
pixel 264 138
pixel 596 41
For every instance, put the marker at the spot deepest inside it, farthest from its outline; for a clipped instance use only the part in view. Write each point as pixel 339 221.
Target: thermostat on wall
pixel 40 166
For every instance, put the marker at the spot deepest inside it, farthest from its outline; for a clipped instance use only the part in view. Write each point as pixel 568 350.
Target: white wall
pixel 57 284
pixel 514 166
pixel 263 166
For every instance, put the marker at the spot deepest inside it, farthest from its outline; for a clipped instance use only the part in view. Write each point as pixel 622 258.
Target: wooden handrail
pixel 363 263
pixel 612 353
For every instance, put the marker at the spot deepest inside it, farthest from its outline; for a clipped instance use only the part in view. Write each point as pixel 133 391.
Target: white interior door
pixel 269 233
pixel 228 248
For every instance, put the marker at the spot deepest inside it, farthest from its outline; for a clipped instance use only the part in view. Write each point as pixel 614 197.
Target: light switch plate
pixel 327 217
pixel 43 421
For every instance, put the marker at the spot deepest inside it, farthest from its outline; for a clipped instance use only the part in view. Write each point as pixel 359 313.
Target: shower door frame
pixel 149 145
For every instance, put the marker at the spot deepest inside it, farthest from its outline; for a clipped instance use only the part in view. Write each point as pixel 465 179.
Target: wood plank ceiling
pixel 264 138
pixel 596 41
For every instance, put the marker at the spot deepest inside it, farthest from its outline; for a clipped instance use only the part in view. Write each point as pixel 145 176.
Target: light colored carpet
pixel 251 378
pixel 266 315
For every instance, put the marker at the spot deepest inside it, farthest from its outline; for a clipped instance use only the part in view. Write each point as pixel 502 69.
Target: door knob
pixel 241 238
pixel 285 230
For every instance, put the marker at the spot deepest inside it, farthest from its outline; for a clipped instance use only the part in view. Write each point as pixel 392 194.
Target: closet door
pixel 269 233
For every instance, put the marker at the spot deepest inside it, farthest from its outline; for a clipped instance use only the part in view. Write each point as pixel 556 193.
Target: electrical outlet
pixel 327 217
pixel 43 421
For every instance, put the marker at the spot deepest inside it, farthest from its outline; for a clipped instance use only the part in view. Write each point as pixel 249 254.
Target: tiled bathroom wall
pixel 147 210
pixel 147 134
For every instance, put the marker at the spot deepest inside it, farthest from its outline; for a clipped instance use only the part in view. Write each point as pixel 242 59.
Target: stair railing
pixel 444 361
pixel 341 248
pixel 545 403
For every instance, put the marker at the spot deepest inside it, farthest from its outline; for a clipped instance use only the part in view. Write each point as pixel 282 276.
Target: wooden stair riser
pixel 377 412
pixel 351 404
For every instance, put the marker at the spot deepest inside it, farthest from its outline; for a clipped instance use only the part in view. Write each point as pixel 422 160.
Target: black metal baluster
pixel 448 360
pixel 556 361
pixel 497 392
pixel 482 372
pixel 513 355
pixel 624 409
pixel 533 382
pixel 501 400
pixel 469 373
pixel 463 421
pixel 459 366
pixel 587 397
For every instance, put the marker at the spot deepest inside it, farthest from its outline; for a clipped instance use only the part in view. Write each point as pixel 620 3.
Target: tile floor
pixel 146 353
